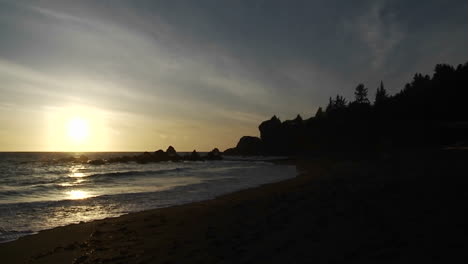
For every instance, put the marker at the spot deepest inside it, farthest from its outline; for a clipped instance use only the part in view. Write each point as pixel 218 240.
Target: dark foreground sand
pixel 406 207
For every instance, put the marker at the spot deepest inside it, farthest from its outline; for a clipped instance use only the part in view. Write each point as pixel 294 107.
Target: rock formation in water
pixel 215 154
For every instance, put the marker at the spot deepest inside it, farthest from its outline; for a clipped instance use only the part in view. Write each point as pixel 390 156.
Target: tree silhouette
pixel 443 71
pixel 381 96
pixel 330 105
pixel 361 94
pixel 298 119
pixel 319 113
pixel 428 111
pixel 340 102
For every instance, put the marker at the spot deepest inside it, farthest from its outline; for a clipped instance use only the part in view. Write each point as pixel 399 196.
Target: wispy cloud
pixel 183 68
pixel 380 31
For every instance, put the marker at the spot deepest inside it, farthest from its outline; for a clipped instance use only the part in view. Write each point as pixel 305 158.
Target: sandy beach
pixel 407 207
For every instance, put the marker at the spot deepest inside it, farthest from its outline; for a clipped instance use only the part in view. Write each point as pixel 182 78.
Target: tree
pixel 443 71
pixel 381 95
pixel 329 106
pixel 340 102
pixel 298 119
pixel 337 105
pixel 361 94
pixel 319 113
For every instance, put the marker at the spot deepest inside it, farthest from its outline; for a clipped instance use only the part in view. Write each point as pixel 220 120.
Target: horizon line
pixel 93 151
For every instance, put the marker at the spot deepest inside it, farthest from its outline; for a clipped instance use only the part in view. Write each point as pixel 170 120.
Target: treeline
pixel 428 111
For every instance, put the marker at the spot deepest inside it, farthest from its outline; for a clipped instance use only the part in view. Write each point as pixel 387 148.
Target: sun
pixel 78 129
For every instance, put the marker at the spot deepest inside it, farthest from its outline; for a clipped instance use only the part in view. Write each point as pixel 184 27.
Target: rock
pixel 250 146
pixel 66 159
pixel 83 159
pixel 231 152
pixel 158 152
pixel 194 156
pixel 97 162
pixel 123 159
pixel 144 158
pixel 215 154
pixel 171 152
pixel 247 146
pixel 160 155
pixel 272 135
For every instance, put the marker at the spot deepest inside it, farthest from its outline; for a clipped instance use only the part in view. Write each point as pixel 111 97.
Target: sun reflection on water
pixel 78 194
pixel 70 184
pixel 76 176
pixel 74 172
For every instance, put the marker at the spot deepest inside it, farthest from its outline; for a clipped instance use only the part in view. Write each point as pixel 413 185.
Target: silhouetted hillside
pixel 428 111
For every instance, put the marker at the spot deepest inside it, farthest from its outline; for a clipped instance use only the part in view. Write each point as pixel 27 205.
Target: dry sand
pixel 409 207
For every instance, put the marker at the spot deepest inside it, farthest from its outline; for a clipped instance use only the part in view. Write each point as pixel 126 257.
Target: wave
pixel 137 173
pixel 7 193
pixel 34 187
pixel 48 182
pixel 7 236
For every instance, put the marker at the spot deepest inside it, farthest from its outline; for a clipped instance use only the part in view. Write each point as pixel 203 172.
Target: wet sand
pixel 404 207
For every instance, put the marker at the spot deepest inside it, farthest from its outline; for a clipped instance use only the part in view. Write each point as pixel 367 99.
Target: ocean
pixel 41 191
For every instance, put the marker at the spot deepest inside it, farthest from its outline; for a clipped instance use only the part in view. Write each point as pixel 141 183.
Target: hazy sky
pixel 142 75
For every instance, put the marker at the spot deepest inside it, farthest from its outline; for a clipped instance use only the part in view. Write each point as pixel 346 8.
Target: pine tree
pixel 340 102
pixel 330 105
pixel 298 119
pixel 381 95
pixel 361 94
pixel 319 113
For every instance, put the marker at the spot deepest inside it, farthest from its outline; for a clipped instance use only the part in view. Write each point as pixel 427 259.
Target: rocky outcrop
pixel 250 145
pixel 97 162
pixel 215 154
pixel 276 138
pixel 144 158
pixel 171 152
pixel 247 146
pixel 271 133
pixel 169 155
pixel 147 157
pixel 160 155
pixel 123 159
pixel 194 156
pixel 231 152
pixel 83 159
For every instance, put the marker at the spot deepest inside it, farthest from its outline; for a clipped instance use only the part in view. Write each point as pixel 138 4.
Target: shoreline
pixel 83 229
pixel 378 209
pixel 72 211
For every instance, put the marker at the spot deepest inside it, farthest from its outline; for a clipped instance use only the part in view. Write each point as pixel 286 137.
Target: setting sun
pixel 78 129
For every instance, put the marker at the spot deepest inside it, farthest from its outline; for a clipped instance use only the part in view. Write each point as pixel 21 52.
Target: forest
pixel 430 111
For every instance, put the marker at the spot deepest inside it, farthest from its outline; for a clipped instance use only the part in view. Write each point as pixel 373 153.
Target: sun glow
pixel 78 129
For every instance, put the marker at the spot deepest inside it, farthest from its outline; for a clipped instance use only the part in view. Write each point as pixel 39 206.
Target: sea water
pixel 38 191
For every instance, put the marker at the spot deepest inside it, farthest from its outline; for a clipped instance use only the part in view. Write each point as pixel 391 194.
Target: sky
pixel 142 75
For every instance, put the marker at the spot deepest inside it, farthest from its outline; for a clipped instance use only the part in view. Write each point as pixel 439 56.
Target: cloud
pixel 380 31
pixel 204 66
